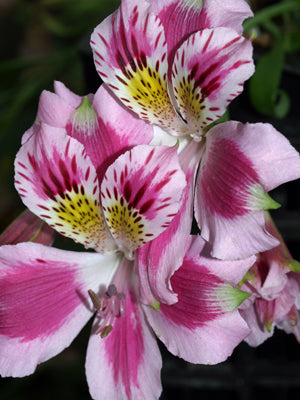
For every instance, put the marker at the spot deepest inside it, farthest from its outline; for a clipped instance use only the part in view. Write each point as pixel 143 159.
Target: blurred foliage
pixel 275 30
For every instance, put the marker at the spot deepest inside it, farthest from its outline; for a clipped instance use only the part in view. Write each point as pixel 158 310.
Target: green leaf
pixel 292 41
pixel 265 95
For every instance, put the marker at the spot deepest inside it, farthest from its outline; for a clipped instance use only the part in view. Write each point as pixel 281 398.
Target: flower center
pixel 110 305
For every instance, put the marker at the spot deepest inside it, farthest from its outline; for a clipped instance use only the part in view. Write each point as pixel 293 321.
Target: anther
pixel 95 299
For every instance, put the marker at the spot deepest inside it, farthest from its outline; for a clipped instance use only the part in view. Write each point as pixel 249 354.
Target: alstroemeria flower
pixel 274 283
pixel 44 291
pixel 112 210
pixel 174 63
pixel 181 77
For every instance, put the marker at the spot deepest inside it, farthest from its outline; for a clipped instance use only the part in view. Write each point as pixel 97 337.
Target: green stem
pixel 36 233
pixel 270 12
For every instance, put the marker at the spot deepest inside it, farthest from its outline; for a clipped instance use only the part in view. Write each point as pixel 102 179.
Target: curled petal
pixel 67 95
pixel 57 181
pixel 53 110
pixel 204 325
pixel 258 334
pixel 44 301
pixel 141 193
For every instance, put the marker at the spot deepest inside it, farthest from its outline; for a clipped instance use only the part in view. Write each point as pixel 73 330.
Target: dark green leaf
pixel 265 95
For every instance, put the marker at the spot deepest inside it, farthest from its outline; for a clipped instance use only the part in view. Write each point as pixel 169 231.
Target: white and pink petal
pixel 54 110
pixel 232 271
pixel 208 72
pixel 130 55
pixel 229 13
pixel 204 326
pixel 157 261
pixel 44 301
pixel 70 98
pixel 184 17
pixel 107 129
pixel 234 177
pixel 141 193
pixel 258 334
pixel 57 181
pixel 125 364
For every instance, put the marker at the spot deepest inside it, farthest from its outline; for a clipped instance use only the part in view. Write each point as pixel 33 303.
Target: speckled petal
pixel 58 182
pixel 141 193
pixel 130 55
pixel 208 72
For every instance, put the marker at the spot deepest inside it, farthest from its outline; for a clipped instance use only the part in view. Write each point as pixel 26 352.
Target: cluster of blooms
pixel 124 172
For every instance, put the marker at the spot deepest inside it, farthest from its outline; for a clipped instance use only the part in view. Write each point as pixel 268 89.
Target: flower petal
pixel 258 333
pixel 69 97
pixel 27 227
pixel 115 131
pixel 157 261
pixel 229 13
pixel 44 301
pixel 233 271
pixel 53 110
pixel 183 17
pixel 58 182
pixel 131 57
pixel 204 326
pixel 235 174
pixel 141 193
pixel 126 364
pixel 208 72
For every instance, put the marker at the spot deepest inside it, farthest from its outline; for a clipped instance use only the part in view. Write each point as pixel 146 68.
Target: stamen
pixel 110 305
pixel 95 299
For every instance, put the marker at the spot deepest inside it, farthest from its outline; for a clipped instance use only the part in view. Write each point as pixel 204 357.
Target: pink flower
pixel 178 65
pixel 112 198
pixel 275 292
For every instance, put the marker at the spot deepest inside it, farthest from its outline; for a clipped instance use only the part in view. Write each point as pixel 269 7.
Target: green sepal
pixel 232 297
pixel 85 117
pixel 268 326
pixel 262 200
pixel 156 305
pixel 294 266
